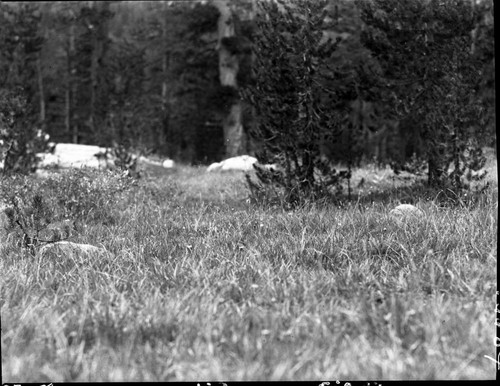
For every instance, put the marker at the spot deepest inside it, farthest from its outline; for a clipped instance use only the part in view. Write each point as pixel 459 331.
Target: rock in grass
pixel 406 210
pixel 70 249
pixel 67 155
pixel 242 162
pixel 168 164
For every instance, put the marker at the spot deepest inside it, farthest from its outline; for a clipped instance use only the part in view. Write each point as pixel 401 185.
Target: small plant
pixel 86 193
pixel 126 161
pixel 32 220
pixel 414 165
pixel 50 210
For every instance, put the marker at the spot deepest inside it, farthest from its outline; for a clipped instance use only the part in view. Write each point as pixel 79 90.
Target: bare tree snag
pixel 234 135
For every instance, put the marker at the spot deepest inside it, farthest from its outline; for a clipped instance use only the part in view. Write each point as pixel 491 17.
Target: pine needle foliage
pixel 292 101
pixel 432 74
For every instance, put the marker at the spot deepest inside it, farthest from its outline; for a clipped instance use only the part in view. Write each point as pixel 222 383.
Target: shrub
pixel 52 209
pixel 125 160
pixel 292 102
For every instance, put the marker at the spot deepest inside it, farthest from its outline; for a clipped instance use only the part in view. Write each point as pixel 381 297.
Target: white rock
pixel 70 249
pixel 67 155
pixel 214 167
pixel 144 160
pixel 404 210
pixel 146 164
pixel 43 173
pixel 47 160
pixel 168 164
pixel 242 162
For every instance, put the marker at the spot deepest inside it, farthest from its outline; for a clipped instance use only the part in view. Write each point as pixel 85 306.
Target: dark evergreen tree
pixel 20 124
pixel 175 111
pixel 429 74
pixel 292 100
pixel 127 117
pixel 483 50
pixel 93 86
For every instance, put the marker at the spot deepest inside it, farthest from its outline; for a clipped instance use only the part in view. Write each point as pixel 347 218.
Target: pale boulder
pixel 70 249
pixel 168 164
pixel 48 160
pixel 406 210
pixel 146 161
pixel 43 173
pixel 214 167
pixel 149 165
pixel 242 163
pixel 70 155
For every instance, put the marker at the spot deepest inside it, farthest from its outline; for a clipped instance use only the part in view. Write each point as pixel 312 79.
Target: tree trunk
pixel 234 135
pixel 67 109
pixel 41 92
pixel 165 97
pixel 438 149
pixel 456 161
pixel 166 105
pixel 70 95
pixel 233 131
pixel 435 175
pixel 93 82
pixel 437 168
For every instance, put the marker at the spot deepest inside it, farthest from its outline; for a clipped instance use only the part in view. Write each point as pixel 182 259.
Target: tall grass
pixel 199 283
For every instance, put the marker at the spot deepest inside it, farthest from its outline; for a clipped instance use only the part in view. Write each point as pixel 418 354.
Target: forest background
pixel 170 77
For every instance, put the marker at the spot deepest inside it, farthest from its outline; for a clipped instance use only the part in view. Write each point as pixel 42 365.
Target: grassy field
pixel 200 283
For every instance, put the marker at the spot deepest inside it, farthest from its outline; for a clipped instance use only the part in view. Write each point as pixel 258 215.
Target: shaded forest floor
pixel 199 283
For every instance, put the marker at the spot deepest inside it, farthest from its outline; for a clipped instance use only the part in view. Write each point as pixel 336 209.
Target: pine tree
pixel 429 75
pixel 292 100
pixel 21 87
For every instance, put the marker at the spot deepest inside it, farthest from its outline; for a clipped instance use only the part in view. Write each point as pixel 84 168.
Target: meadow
pixel 201 283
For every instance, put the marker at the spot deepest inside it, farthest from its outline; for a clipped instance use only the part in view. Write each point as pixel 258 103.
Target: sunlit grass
pixel 202 284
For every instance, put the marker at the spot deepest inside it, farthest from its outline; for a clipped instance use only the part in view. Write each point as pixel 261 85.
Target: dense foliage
pixel 20 139
pixel 430 75
pixel 21 134
pixel 404 83
pixel 292 100
pixel 137 74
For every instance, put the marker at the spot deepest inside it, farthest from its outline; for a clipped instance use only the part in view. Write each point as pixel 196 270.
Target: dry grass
pixel 200 284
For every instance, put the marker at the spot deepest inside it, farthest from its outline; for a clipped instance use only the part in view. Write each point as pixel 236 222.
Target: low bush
pixel 69 199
